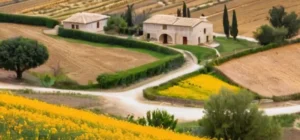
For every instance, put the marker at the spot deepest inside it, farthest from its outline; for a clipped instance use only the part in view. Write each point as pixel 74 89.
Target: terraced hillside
pixel 61 9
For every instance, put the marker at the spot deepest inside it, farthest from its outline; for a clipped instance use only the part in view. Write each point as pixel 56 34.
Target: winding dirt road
pixel 132 102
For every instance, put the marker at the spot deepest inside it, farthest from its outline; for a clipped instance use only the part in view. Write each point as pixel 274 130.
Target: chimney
pixel 203 18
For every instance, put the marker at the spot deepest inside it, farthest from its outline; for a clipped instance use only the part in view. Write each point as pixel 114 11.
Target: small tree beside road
pixel 20 54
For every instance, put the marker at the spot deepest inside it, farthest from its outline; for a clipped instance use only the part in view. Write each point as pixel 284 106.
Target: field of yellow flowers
pixel 199 87
pixel 22 118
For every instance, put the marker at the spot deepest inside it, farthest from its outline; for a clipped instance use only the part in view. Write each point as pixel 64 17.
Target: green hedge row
pixel 106 39
pixel 128 77
pixel 29 20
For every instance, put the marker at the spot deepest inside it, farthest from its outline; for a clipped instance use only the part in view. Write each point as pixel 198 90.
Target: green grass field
pixel 152 53
pixel 230 46
pixel 201 53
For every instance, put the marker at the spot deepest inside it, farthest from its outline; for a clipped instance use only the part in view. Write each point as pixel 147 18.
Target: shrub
pixel 156 118
pixel 233 116
pixel 267 34
pixel 47 81
pixel 29 20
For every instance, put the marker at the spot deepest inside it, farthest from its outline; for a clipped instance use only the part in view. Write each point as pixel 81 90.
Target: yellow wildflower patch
pixel 197 88
pixel 22 118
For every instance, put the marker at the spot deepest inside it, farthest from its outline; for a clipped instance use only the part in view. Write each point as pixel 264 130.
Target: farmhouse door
pixel 165 39
pixel 185 40
pixel 207 38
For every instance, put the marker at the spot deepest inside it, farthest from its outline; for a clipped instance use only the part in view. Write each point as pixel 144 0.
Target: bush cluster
pixel 130 31
pixel 29 20
pixel 128 77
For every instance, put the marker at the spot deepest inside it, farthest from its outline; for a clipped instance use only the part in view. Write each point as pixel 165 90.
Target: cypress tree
pixel 188 12
pixel 226 22
pixel 184 10
pixel 234 27
pixel 178 12
pixel 128 15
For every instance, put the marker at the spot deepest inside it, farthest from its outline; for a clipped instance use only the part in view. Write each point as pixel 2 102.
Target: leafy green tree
pixel 226 24
pixel 267 34
pixel 234 28
pixel 129 15
pixel 292 23
pixel 178 12
pixel 279 18
pixel 233 116
pixel 115 23
pixel 276 16
pixel 188 12
pixel 156 118
pixel 20 54
pixel 184 10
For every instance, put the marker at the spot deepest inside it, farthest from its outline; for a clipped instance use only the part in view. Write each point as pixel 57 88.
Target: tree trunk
pixel 19 74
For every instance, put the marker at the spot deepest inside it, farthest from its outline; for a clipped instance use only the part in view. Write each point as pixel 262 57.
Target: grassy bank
pixel 200 52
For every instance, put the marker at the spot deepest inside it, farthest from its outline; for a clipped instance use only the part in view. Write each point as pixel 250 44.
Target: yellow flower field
pixel 22 118
pixel 198 88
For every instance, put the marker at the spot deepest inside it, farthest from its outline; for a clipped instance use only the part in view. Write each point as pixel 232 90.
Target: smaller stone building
pixel 169 29
pixel 90 22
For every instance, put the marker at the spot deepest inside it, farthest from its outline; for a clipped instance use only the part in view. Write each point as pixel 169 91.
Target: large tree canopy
pixel 232 116
pixel 20 54
pixel 267 34
pixel 279 18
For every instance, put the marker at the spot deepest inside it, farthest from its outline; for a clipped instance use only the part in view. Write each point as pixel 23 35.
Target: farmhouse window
pixel 98 24
pixel 77 26
pixel 165 27
pixel 73 26
pixel 204 31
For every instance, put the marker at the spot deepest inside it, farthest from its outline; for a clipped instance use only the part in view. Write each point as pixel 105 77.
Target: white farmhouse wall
pixel 90 27
pixel 177 33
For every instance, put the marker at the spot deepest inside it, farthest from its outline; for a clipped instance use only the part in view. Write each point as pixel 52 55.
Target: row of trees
pixel 228 116
pixel 282 26
pixel 186 12
pixel 233 29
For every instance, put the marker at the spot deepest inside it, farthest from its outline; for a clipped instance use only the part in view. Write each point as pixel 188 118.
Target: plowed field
pixel 80 62
pixel 274 72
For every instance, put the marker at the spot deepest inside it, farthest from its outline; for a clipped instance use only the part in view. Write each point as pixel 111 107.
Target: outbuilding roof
pixel 173 20
pixel 85 18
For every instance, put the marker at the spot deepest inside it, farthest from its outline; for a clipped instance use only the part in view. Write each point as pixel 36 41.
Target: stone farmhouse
pixel 169 29
pixel 89 22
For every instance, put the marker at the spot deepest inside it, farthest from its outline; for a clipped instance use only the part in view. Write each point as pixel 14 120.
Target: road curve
pixel 133 102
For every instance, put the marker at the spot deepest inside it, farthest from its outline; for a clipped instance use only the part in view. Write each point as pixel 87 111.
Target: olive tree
pixel 20 54
pixel 233 116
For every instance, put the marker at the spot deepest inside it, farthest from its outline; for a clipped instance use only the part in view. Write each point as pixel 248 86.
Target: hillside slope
pixel 30 119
